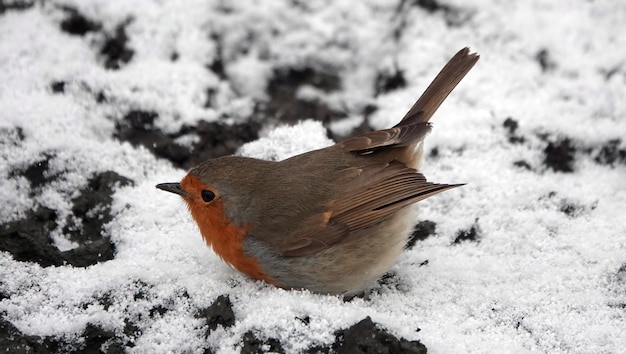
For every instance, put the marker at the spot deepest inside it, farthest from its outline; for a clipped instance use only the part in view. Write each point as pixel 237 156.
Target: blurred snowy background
pixel 100 100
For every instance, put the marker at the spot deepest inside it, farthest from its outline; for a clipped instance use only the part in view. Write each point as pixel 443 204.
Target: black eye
pixel 207 195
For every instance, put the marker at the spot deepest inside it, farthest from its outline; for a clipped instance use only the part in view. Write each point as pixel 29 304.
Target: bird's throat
pixel 225 238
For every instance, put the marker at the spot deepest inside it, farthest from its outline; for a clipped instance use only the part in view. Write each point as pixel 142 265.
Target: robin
pixel 331 220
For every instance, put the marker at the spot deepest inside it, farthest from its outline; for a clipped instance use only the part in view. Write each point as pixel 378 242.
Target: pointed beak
pixel 173 188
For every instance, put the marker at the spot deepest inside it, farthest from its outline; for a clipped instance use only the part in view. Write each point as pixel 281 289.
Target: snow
pixel 279 143
pixel 538 280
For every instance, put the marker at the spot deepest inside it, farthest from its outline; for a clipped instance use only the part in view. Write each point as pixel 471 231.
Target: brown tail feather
pixel 440 88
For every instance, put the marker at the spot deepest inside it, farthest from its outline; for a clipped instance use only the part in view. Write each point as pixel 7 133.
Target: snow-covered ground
pixel 543 268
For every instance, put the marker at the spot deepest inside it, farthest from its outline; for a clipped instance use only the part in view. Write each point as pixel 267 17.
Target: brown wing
pixel 399 136
pixel 378 192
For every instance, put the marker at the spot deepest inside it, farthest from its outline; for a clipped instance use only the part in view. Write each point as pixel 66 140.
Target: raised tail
pixel 414 126
pixel 447 79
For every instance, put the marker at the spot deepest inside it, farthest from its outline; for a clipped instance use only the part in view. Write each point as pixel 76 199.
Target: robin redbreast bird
pixel 331 220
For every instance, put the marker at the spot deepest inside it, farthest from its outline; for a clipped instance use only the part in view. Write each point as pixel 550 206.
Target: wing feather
pixel 379 191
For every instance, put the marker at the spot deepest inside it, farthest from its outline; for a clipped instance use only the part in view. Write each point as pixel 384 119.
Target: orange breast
pixel 225 238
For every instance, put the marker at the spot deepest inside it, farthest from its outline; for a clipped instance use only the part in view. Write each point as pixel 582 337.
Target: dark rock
pixel 37 173
pixel 15 5
pixel 421 232
pixel 105 301
pixel 15 342
pixel 11 136
pixel 284 106
pixel 115 50
pixel 387 82
pixel 77 24
pixel 306 320
pixel 157 310
pixel 137 127
pixel 114 346
pixel 215 139
pixel 93 252
pixel 366 337
pixel 94 339
pixel 141 120
pixel 522 164
pixel 58 86
pixel 454 16
pixel 511 125
pixel 611 153
pixel 210 97
pixel 388 280
pixel 571 209
pixel 220 313
pixel 608 73
pixel 218 139
pixel 546 63
pixel 101 97
pixel 28 239
pixel 560 155
pixel 564 205
pixel 171 150
pixel 514 139
pixel 143 290
pixel 253 345
pixel 472 234
pixel 568 207
pixel 91 210
pixel 561 152
pixel 430 5
pixel 318 350
pixel 369 110
pixel 217 65
pixel 131 331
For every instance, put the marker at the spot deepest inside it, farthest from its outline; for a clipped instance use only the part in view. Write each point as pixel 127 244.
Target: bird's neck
pixel 226 239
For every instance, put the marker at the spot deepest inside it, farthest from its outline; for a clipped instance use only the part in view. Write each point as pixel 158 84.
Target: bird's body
pixel 331 220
